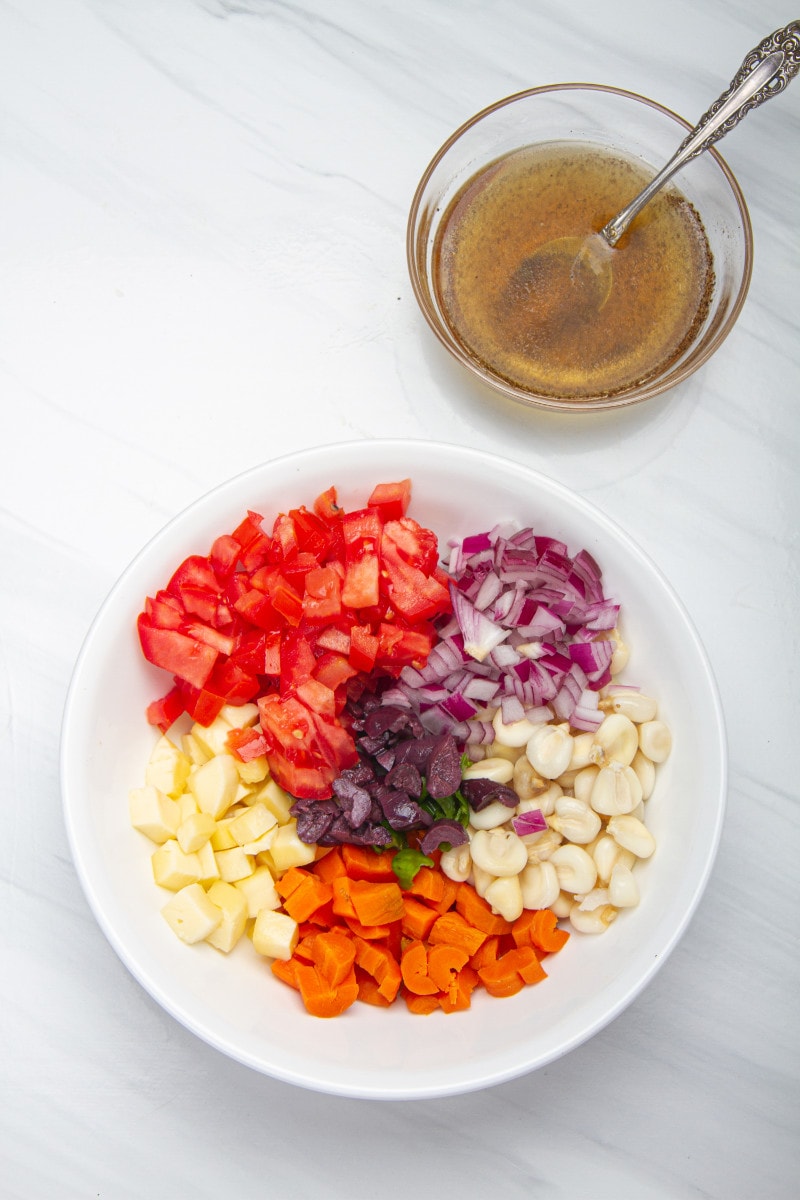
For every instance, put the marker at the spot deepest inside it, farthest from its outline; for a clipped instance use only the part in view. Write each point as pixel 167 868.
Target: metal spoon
pixel 585 263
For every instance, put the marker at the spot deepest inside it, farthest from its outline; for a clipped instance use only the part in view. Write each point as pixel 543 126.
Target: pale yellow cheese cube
pixel 275 934
pixel 261 845
pixel 254 771
pixel 277 800
pixel 168 768
pixel 222 838
pixel 288 850
pixel 186 805
pixel 209 871
pixel 172 868
pixel 214 785
pixel 234 864
pixel 194 831
pixel 191 914
pixel 252 823
pixel 214 737
pixel 153 813
pixel 259 891
pixel 233 908
pixel 238 716
pixel 196 753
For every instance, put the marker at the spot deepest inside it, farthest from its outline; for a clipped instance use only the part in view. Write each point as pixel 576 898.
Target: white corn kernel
pixel 596 898
pixel 606 854
pixel 616 790
pixel 456 863
pixel 549 750
pixel 631 703
pixel 575 868
pixel 575 820
pixel 645 773
pixel 632 835
pixel 596 921
pixel 655 740
pixel 527 783
pixel 620 653
pixel 515 733
pixel 491 816
pixel 584 782
pixel 480 879
pixel 504 895
pixel 615 740
pixel 622 889
pixel 540 846
pixel 540 886
pixel 581 751
pixel 499 770
pixel 498 851
pixel 562 905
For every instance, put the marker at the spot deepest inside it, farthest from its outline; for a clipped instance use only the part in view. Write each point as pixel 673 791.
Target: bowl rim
pixel 529 399
pixel 74 817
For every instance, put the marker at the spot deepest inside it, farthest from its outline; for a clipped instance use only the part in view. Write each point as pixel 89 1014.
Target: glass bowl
pixel 619 121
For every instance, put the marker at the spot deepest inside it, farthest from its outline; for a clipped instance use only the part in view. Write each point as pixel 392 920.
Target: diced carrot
pixel 418 918
pixel 330 865
pixel 486 954
pixel 478 913
pixel 414 969
pixel 521 928
pixel 370 932
pixel 529 966
pixel 369 992
pixel 428 884
pixel 376 903
pixel 501 978
pixel 320 996
pixel 310 894
pixel 333 954
pixel 459 997
pixel 362 862
pixel 545 932
pixel 444 963
pixel 342 900
pixel 453 930
pixel 304 948
pixel 284 970
pixel 450 891
pixel 323 916
pixel 381 964
pixel 421 1005
pixel 290 881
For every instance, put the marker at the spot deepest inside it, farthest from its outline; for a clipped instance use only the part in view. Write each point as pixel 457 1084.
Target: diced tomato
pixel 323 595
pixel 313 534
pixel 391 499
pixel 413 593
pixel 212 637
pixel 258 610
pixel 317 696
pixel 306 750
pixel 418 546
pixel 333 670
pixel 224 555
pixel 196 572
pixel 176 653
pixel 297 662
pixel 165 610
pixel 363 648
pixel 361 587
pixel 334 638
pixel 247 744
pixel 201 705
pixel 284 536
pixel 326 504
pixel 164 713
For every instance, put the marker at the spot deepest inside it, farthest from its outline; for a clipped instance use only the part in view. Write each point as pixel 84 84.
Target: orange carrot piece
pixel 528 965
pixel 478 913
pixel 376 903
pixel 290 881
pixel 310 894
pixel 453 930
pixel 521 928
pixel 545 932
pixel 486 954
pixel 320 996
pixel 362 862
pixel 450 890
pixel 459 997
pixel 333 954
pixel 342 900
pixel 369 992
pixel 330 865
pixel 421 1005
pixel 304 948
pixel 414 969
pixel 428 885
pixel 372 933
pixel 324 916
pixel 381 964
pixel 418 918
pixel 444 963
pixel 284 970
pixel 501 978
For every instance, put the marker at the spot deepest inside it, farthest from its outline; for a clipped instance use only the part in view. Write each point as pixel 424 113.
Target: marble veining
pixel 203 266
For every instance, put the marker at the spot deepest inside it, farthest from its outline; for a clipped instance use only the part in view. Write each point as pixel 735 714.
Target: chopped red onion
pixel 532 821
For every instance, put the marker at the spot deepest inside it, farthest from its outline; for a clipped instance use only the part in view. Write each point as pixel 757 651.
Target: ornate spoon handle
pixel 765 72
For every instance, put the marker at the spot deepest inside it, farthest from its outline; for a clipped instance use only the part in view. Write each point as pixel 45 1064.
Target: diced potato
pixel 233 907
pixel 214 737
pixel 254 771
pixel 153 813
pixel 187 805
pixel 168 768
pixel 261 845
pixel 259 891
pixel 209 871
pixel 234 864
pixel 196 753
pixel 238 716
pixel 275 934
pixel 195 831
pixel 277 800
pixel 214 785
pixel 172 868
pixel 222 838
pixel 245 794
pixel 288 850
pixel 252 823
pixel 191 914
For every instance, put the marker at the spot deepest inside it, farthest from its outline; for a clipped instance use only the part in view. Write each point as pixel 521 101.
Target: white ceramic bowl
pixel 234 1003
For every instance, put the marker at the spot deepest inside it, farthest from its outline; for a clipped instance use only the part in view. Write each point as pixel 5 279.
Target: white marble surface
pixel 193 194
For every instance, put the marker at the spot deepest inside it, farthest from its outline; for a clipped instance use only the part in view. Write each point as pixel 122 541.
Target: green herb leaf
pixel 406 863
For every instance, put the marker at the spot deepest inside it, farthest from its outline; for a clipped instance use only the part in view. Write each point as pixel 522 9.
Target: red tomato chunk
pixel 288 617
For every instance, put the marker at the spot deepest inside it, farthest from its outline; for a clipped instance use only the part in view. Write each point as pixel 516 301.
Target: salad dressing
pixel 557 340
